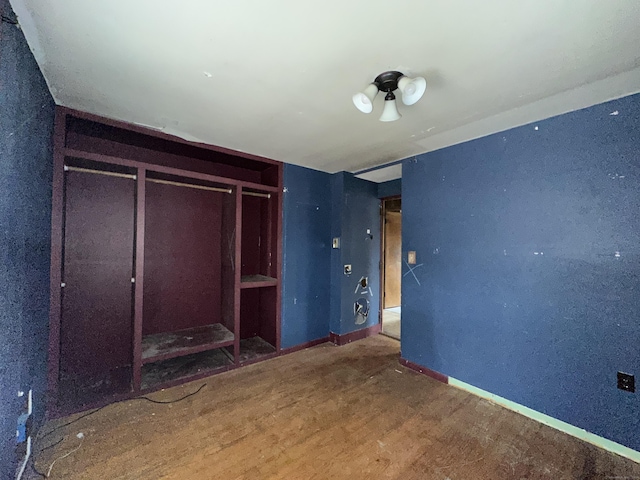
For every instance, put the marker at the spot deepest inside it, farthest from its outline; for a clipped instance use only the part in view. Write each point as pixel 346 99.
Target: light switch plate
pixel 336 242
pixel 347 269
pixel 411 257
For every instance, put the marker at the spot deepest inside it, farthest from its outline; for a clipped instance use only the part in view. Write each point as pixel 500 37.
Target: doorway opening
pixel 391 265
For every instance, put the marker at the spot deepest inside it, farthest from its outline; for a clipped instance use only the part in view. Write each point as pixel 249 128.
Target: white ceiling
pixel 275 78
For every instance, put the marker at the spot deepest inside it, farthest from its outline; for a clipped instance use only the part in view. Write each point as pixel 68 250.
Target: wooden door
pixel 392 258
pixel 96 320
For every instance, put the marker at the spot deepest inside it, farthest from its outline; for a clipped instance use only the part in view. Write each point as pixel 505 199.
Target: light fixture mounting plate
pixel 388 81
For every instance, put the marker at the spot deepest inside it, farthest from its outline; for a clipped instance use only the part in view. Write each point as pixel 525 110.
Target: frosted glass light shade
pixel 390 112
pixel 412 89
pixel 364 100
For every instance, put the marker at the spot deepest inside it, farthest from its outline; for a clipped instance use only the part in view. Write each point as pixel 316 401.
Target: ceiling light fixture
pixel 412 90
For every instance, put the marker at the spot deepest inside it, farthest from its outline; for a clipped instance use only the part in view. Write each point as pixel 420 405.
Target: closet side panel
pixel 182 263
pixel 96 320
pixel 229 261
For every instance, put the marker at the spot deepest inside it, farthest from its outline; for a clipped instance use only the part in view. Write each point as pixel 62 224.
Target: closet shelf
pixel 257 281
pixel 175 370
pixel 254 348
pixel 163 346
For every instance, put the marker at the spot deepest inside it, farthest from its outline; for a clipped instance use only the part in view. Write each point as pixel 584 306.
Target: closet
pixel 166 261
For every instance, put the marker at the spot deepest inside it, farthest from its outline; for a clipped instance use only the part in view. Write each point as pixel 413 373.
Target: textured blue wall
pixel 26 126
pixel 307 255
pixel 356 208
pixel 391 188
pixel 529 283
pixel 317 297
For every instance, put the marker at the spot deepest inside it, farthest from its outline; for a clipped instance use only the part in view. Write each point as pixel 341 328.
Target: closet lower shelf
pixel 255 348
pixel 163 346
pixel 183 368
pixel 257 281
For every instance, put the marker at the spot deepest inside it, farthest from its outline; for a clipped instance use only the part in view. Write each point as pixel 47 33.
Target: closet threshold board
pixel 166 345
pixel 185 368
pixel 254 348
pixel 257 281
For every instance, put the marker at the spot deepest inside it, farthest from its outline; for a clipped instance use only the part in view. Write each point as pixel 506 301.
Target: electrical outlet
pixel 626 382
pixel 23 429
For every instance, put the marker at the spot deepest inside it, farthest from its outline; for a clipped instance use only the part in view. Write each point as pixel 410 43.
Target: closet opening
pixel 391 265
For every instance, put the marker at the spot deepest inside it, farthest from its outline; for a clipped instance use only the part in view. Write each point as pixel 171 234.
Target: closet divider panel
pixel 141 185
pixel 96 314
pixel 229 262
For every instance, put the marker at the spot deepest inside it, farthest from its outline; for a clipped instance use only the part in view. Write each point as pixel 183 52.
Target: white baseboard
pixel 592 438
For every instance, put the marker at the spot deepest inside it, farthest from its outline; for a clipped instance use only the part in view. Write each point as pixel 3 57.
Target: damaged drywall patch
pixel 361 310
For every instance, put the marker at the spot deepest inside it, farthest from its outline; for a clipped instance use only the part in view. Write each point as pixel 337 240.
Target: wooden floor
pixel 329 412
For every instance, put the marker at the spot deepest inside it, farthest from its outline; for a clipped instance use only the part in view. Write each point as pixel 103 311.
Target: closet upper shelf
pixel 100 157
pixel 162 346
pixel 88 133
pixel 257 281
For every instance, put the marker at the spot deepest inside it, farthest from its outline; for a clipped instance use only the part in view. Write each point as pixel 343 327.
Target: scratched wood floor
pixel 325 413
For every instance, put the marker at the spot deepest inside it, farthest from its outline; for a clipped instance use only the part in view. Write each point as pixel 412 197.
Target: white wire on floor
pixel 81 437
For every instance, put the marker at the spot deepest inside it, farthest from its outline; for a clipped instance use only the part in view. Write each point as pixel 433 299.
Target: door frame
pixel 383 240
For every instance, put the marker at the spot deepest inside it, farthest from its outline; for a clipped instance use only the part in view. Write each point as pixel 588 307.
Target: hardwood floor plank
pixel 328 412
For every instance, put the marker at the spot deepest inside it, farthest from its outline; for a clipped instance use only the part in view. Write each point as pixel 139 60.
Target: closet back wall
pixel 253 232
pixel 182 266
pixel 98 265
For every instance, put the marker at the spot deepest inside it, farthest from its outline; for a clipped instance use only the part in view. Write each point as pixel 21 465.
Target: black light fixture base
pixel 388 81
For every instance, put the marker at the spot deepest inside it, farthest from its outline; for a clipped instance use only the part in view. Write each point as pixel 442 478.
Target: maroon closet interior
pixel 96 321
pixel 166 260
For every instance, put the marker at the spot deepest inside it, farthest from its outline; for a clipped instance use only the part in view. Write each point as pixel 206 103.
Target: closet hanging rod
pixel 67 168
pixel 190 185
pixel 256 194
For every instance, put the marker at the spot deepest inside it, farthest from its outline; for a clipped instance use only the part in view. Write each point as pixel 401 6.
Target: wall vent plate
pixel 626 382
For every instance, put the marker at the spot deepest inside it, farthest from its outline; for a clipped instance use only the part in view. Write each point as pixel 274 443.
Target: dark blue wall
pixel 317 296
pixel 26 126
pixel 356 209
pixel 529 286
pixel 392 188
pixel 307 255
